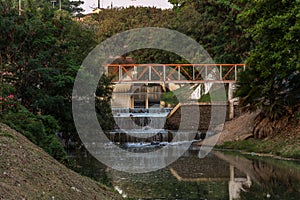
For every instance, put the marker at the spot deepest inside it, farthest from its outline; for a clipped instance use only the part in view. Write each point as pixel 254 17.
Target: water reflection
pixel 275 179
pixel 236 185
pixel 217 176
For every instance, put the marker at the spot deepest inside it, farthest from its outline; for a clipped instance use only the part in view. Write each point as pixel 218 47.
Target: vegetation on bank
pixel 271 82
pixel 41 51
pixel 284 143
pixel 269 147
pixel 40 129
pixel 276 147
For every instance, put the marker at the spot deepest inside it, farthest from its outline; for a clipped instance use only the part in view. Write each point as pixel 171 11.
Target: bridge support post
pixel 231 110
pixel 231 88
pixel 147 97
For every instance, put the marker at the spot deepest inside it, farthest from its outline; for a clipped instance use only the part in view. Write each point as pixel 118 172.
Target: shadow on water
pixel 218 176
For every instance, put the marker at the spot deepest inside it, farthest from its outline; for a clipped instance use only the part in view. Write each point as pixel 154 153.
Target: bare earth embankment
pixel 237 134
pixel 27 172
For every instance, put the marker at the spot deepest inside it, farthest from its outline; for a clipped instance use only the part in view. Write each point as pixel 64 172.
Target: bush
pixel 39 129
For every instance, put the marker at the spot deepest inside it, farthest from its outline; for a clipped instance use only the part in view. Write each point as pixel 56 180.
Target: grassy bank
pixel 285 144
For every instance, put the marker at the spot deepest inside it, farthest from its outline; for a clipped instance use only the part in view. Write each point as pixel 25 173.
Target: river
pixel 220 175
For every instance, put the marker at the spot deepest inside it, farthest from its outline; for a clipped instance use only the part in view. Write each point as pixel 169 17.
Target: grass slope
pixel 27 172
pixel 285 143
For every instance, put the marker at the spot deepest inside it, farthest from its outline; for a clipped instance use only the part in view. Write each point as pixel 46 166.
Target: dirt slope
pixel 239 128
pixel 27 172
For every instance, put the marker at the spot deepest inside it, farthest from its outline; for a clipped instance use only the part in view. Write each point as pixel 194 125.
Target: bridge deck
pixel 174 73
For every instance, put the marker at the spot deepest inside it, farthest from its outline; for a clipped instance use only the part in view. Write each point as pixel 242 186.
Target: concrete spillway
pixel 140 125
pixel 144 121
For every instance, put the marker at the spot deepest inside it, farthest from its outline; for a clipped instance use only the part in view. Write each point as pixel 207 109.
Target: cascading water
pixel 140 122
pixel 146 124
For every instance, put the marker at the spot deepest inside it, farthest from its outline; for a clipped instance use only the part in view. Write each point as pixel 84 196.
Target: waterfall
pixel 139 122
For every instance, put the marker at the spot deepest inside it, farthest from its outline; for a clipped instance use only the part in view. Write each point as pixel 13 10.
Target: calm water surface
pixel 220 175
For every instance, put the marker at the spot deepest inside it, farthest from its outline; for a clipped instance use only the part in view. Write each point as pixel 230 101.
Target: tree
pixel 177 3
pixel 271 81
pixel 109 22
pixel 41 51
pixel 102 103
pixel 214 24
pixel 71 6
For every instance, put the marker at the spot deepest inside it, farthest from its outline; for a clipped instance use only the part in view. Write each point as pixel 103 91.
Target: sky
pixel 90 4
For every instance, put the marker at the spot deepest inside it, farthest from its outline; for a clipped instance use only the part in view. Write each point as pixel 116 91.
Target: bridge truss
pixel 174 73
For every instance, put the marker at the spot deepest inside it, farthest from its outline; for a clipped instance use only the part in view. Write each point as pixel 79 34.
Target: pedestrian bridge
pixel 174 73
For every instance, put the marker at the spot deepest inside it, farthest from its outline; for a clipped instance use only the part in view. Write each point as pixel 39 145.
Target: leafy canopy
pixel 271 82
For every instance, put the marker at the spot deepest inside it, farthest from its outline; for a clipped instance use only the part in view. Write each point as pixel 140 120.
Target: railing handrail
pixel 184 65
pixel 144 110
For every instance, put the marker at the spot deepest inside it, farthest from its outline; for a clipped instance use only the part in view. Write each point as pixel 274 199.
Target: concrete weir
pixel 154 125
pixel 140 125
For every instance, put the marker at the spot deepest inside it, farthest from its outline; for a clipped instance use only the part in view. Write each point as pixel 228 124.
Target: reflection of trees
pixel 277 175
pixel 271 175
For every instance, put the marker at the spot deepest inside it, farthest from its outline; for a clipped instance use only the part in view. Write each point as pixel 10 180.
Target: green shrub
pixel 39 129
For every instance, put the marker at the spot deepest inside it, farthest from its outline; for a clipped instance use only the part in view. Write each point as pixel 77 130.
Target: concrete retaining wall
pixel 190 111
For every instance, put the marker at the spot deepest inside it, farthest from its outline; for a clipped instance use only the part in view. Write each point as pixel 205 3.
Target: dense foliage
pixel 40 129
pixel 215 26
pixel 41 51
pixel 102 102
pixel 272 79
pixel 211 23
pixel 112 21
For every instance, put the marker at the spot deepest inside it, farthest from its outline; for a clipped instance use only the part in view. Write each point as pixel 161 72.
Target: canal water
pixel 220 175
